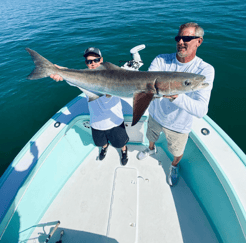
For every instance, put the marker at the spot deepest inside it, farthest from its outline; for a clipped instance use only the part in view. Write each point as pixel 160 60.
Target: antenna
pixel 136 63
pixel 134 51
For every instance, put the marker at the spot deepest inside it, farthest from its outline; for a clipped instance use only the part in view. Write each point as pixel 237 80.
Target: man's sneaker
pixel 173 175
pixel 144 154
pixel 124 157
pixel 103 153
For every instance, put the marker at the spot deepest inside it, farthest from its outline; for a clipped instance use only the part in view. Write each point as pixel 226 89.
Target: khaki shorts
pixel 176 141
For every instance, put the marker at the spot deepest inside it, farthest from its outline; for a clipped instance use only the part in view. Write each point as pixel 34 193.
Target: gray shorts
pixel 176 141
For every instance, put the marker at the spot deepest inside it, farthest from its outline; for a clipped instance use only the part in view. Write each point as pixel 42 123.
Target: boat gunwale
pixel 227 184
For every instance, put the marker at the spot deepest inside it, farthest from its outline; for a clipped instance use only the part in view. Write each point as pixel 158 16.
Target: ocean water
pixel 62 30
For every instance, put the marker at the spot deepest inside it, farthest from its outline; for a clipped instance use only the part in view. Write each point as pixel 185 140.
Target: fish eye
pixel 187 82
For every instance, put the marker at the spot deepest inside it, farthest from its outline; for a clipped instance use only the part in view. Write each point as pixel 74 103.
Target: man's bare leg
pixel 176 160
pixel 123 148
pixel 105 146
pixel 151 145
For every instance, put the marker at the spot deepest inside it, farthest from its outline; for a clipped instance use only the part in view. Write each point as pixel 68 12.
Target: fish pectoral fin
pixel 92 96
pixel 141 102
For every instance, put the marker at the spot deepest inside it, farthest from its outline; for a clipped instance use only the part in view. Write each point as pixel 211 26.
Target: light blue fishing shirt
pixel 177 115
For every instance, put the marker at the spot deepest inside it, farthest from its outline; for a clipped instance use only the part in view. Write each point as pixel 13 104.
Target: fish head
pixel 181 83
pixel 200 85
pixel 192 83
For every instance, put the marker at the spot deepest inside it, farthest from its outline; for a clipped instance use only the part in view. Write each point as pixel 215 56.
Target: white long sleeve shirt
pixel 178 114
pixel 105 113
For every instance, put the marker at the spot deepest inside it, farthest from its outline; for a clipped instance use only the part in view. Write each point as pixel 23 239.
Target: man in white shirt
pixel 106 116
pixel 173 114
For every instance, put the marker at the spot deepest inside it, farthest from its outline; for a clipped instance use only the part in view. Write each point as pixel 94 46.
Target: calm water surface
pixel 62 30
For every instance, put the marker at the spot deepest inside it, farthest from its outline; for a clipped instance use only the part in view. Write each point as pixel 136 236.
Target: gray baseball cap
pixel 92 50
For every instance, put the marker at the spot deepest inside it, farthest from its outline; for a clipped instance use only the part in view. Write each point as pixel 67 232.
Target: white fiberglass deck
pixel 106 202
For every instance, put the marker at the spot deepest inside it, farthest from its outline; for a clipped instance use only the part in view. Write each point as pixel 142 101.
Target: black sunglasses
pixel 95 60
pixel 186 38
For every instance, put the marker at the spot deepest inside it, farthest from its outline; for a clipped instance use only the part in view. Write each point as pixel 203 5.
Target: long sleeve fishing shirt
pixel 177 115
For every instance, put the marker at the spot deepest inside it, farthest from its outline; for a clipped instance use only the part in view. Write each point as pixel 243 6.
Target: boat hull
pixel 44 166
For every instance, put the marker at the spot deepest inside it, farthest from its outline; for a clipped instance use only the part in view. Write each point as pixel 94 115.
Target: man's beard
pixel 180 53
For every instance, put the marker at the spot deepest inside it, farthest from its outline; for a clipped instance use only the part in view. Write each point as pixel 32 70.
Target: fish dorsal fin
pixel 105 66
pixel 108 66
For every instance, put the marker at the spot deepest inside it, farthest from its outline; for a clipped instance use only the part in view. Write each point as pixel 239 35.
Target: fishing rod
pixel 61 234
pixel 53 231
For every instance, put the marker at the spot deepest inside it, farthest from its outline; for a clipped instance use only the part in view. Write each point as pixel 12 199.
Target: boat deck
pixel 106 202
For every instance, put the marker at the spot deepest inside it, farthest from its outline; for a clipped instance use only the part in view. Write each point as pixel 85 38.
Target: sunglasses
pixel 186 38
pixel 95 60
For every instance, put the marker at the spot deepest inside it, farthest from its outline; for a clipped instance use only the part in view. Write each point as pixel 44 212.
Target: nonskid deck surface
pixel 106 202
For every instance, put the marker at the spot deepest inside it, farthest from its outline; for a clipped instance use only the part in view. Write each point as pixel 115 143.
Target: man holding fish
pixel 173 114
pixel 106 116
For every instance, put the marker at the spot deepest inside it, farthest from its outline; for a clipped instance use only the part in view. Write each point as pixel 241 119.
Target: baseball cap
pixel 93 50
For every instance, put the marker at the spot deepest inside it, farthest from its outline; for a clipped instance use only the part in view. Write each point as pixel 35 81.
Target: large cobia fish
pixel 113 80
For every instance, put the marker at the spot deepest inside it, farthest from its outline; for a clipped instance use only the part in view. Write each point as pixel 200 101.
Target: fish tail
pixel 43 67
